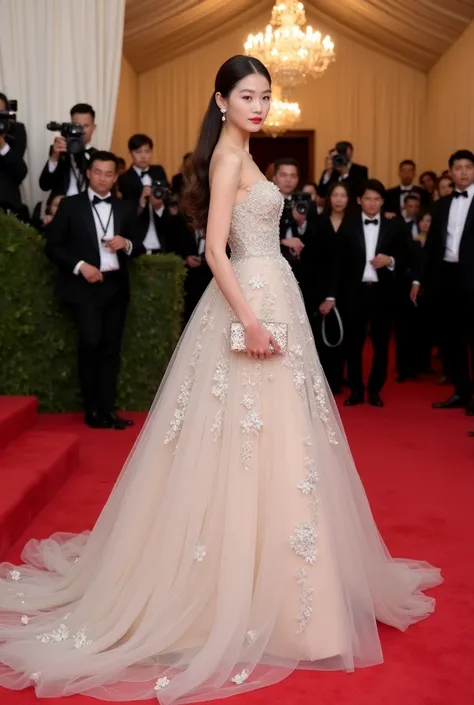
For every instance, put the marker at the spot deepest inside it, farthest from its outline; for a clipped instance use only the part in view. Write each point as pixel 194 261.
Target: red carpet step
pixel 34 464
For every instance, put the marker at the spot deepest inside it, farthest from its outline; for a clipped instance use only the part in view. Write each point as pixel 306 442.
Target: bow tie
pixel 371 222
pixel 145 171
pixel 96 199
pixel 457 194
pixel 406 188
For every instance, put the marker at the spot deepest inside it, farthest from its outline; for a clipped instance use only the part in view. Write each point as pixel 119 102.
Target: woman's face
pixel 425 223
pixel 309 188
pixel 445 187
pixel 248 104
pixel 339 199
pixel 428 183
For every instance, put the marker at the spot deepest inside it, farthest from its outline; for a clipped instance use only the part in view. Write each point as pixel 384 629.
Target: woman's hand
pixel 258 341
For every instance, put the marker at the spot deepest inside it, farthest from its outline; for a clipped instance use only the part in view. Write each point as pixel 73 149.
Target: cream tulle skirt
pixel 237 544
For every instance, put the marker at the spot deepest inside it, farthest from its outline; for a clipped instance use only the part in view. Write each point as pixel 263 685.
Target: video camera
pixel 340 155
pixel 301 201
pixel 8 117
pixel 72 133
pixel 160 190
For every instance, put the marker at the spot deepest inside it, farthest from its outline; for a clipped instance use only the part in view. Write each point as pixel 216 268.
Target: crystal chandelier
pixel 290 53
pixel 282 115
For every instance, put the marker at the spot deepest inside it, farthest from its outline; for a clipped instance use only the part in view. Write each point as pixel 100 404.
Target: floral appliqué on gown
pixel 237 544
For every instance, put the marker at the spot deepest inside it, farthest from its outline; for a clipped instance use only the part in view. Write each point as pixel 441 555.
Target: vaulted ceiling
pixel 416 32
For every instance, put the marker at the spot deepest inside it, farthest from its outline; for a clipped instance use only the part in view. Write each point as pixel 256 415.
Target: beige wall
pixel 450 103
pixel 367 98
pixel 126 118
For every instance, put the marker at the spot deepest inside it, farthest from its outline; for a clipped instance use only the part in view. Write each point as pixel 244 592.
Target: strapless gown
pixel 237 544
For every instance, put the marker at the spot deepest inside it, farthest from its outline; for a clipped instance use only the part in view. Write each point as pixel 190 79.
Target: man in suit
pixel 353 174
pixel 66 173
pixel 448 275
pixel 90 240
pixel 294 226
pixel 13 168
pixel 374 247
pixel 135 185
pixel 395 197
pixel 16 136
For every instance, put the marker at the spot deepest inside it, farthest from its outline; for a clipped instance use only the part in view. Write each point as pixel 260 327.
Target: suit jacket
pixel 13 170
pixel 72 237
pixel 392 241
pixel 322 261
pixel 356 177
pixel 17 137
pixel 287 222
pixel 131 186
pixel 392 199
pixel 434 250
pixel 58 180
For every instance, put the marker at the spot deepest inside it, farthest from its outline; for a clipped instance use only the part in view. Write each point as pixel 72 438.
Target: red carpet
pixel 418 469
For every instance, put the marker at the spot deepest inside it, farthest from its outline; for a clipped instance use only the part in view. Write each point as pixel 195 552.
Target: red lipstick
pixel 256 121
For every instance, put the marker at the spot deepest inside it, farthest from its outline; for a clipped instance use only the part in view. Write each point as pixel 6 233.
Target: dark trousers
pixel 370 306
pixel 100 322
pixel 332 359
pixel 457 330
pixel 196 283
pixel 412 334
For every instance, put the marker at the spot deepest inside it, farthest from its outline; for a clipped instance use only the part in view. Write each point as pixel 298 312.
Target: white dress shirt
pixel 414 226
pixel 371 236
pixel 75 176
pixel 151 241
pixel 200 241
pixel 456 221
pixel 102 213
pixel 4 150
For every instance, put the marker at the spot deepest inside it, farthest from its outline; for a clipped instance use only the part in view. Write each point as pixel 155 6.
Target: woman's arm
pixel 224 184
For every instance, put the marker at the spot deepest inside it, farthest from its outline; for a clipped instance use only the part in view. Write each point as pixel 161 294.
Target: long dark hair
pixel 196 192
pixel 332 188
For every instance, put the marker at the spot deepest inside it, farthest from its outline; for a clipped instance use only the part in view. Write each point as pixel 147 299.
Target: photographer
pixel 299 213
pixel 13 168
pixel 146 186
pixel 69 156
pixel 340 167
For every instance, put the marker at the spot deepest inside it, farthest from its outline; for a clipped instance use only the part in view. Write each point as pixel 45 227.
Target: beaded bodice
pixel 255 223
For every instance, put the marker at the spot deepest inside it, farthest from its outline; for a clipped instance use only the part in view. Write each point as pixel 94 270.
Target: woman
pixel 238 542
pixel 445 187
pixel 424 225
pixel 323 260
pixel 429 181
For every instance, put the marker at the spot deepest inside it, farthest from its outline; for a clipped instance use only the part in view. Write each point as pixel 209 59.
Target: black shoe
pixel 114 422
pixel 375 400
pixel 354 399
pixel 454 402
pixel 95 420
pixel 471 434
pixel 399 379
pixel 116 417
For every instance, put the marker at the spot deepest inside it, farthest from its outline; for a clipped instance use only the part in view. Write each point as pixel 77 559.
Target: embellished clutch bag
pixel 278 330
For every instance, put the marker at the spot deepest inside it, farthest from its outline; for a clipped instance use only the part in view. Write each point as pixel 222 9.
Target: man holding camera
pixel 298 213
pixel 65 172
pixel 340 167
pixel 13 168
pixel 146 186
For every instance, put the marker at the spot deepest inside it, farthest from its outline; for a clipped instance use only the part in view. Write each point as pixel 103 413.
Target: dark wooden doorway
pixel 298 144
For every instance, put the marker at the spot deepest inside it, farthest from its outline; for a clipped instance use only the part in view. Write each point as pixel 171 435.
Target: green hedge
pixel 37 336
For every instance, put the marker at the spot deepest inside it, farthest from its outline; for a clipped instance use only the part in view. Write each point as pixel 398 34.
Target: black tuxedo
pixel 185 243
pixel 288 223
pixel 58 181
pixel 354 180
pixel 13 170
pixel 393 195
pixel 16 137
pixel 99 308
pixel 450 286
pixel 371 304
pixel 131 187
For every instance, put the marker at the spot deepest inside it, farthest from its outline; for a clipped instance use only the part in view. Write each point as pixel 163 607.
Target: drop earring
pixel 223 114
